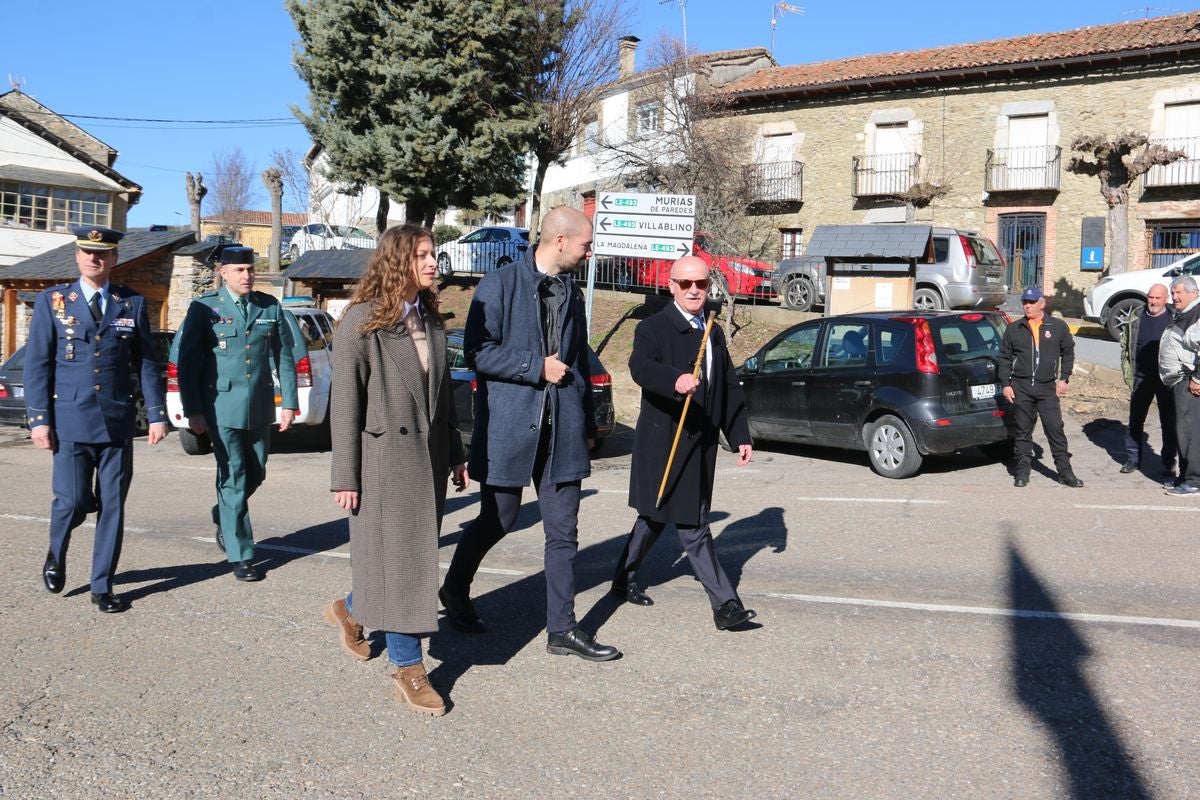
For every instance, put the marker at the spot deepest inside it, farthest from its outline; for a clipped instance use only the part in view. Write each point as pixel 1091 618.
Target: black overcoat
pixel 664 347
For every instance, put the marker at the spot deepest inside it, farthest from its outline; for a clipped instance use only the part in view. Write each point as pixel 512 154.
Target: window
pixel 891 342
pixel 794 351
pixel 791 242
pixel 968 337
pixel 51 208
pixel 846 345
pixel 591 136
pixel 648 117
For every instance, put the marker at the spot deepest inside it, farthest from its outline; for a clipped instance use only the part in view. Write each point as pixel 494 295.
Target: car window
pixel 891 342
pixel 793 351
pixel 1190 267
pixel 311 332
pixel 941 249
pixel 326 328
pixel 846 345
pixel 454 354
pixel 500 235
pixel 525 235
pixel 983 251
pixel 478 236
pixel 967 337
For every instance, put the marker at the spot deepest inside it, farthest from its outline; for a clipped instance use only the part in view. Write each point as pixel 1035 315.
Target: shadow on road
pixel 1047 664
pixel 1108 435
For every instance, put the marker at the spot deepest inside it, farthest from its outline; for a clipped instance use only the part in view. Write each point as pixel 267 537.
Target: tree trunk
pixel 414 212
pixel 274 182
pixel 1118 226
pixel 381 213
pixel 535 199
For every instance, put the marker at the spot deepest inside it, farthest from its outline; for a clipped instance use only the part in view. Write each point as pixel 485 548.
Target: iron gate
pixel 1023 245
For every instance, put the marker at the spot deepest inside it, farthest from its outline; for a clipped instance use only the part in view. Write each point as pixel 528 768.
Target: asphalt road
pixel 946 636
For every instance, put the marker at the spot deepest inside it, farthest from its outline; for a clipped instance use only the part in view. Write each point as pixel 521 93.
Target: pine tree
pixel 426 100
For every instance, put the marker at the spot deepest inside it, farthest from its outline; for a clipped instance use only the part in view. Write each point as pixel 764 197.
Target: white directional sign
pixel 644 225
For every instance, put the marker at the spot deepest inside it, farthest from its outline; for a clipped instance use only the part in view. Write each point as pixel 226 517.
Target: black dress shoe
pixel 1128 467
pixel 461 612
pixel 732 614
pixel 245 571
pixel 54 574
pixel 220 541
pixel 109 603
pixel 1021 481
pixel 576 642
pixel 1069 478
pixel 632 594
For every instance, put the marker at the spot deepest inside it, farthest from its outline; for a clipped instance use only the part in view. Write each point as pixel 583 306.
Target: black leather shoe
pixel 220 541
pixel 1069 478
pixel 1021 481
pixel 732 614
pixel 1128 467
pixel 632 594
pixel 54 574
pixel 245 571
pixel 461 612
pixel 576 642
pixel 109 603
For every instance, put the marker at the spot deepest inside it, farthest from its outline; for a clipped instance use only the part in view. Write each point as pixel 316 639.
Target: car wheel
pixel 194 444
pixel 294 252
pixel 1119 314
pixel 892 448
pixel 925 299
pixel 444 268
pixel 799 294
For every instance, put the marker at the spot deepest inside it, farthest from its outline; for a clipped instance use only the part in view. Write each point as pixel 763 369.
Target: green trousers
pixel 241 468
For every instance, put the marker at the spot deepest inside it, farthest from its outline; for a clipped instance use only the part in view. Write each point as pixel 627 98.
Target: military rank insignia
pixel 58 304
pixel 73 296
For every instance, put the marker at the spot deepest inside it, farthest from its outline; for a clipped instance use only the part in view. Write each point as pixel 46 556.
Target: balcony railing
pixel 887 174
pixel 776 181
pixel 1185 172
pixel 1015 169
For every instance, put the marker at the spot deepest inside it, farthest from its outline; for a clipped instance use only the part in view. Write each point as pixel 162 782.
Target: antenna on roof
pixel 778 9
pixel 15 83
pixel 1147 9
pixel 683 10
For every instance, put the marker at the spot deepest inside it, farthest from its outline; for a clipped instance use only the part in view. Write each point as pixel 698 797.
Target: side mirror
pixel 751 364
pixel 1174 273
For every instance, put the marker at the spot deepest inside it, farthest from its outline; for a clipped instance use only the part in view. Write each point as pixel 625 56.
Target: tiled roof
pixel 1139 36
pixel 261 218
pixel 345 265
pixel 59 264
pixel 869 241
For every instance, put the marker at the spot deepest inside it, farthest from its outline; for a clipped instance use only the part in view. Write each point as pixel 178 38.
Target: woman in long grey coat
pixel 394 444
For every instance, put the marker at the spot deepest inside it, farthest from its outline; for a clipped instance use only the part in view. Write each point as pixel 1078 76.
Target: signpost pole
pixel 591 292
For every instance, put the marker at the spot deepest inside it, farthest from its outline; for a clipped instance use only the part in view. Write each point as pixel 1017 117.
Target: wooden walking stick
pixel 687 402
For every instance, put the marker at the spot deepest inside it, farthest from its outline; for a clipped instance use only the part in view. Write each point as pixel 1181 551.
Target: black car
pixel 900 385
pixel 12 385
pixel 462 380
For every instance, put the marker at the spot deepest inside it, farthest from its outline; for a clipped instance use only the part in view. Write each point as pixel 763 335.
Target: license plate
pixel 18 391
pixel 993 279
pixel 984 391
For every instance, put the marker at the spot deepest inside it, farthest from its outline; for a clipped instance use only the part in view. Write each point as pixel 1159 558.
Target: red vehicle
pixel 745 276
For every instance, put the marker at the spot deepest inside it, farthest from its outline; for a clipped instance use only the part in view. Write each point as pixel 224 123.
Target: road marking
pixel 994 612
pixel 84 524
pixel 899 500
pixel 1139 508
pixel 304 551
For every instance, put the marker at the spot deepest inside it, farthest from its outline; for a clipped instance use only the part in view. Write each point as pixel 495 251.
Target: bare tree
pixel 686 142
pixel 290 164
pixel 274 183
pixel 196 190
pixel 579 42
pixel 1118 162
pixel 233 188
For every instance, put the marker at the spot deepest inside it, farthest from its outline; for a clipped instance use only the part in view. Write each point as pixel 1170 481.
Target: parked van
pixel 968 272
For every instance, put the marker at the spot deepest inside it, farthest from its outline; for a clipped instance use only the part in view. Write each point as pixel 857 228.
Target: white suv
pixel 319 236
pixel 1114 298
pixel 312 337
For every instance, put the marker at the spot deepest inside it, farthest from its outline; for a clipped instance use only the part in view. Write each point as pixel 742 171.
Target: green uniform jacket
pixel 225 363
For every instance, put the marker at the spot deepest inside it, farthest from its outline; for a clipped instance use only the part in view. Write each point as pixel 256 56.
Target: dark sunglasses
pixel 685 284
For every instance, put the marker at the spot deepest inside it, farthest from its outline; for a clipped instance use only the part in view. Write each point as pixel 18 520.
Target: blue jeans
pixel 403 649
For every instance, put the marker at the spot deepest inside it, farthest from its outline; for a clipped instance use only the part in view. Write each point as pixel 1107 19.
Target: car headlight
pixel 738 266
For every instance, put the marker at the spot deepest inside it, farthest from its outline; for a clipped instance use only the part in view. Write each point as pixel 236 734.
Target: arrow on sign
pixel 604 221
pixel 605 202
pixel 684 250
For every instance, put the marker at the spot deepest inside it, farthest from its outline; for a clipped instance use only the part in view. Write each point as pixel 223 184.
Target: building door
pixel 589 205
pixel 1023 245
pixel 890 160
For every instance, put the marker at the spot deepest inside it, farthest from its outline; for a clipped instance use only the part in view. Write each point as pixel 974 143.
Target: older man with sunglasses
pixel 665 350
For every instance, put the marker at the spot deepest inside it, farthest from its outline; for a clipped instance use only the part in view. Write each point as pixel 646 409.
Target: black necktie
pixel 94 305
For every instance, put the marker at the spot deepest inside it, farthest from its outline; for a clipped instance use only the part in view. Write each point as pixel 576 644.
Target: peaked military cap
pixel 93 237
pixel 237 255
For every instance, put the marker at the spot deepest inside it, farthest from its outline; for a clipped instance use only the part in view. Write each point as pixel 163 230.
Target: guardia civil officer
pixel 86 341
pixel 1037 355
pixel 230 341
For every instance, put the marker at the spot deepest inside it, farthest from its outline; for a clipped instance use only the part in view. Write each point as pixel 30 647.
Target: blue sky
pixel 225 60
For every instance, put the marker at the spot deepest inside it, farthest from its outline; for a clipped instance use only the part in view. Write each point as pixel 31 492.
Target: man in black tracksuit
pixel 1037 355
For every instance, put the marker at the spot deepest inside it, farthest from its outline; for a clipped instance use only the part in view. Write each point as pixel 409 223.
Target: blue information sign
pixel 1091 258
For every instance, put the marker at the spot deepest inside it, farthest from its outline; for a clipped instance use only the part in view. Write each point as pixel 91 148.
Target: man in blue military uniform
pixel 230 342
pixel 86 342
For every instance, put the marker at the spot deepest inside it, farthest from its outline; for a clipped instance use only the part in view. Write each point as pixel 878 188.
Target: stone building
pixel 979 135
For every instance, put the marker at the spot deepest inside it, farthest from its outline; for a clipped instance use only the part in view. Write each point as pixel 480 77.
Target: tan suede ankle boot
pixel 412 687
pixel 350 633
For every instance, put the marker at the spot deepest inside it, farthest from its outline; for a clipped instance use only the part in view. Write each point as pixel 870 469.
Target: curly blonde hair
pixel 391 276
